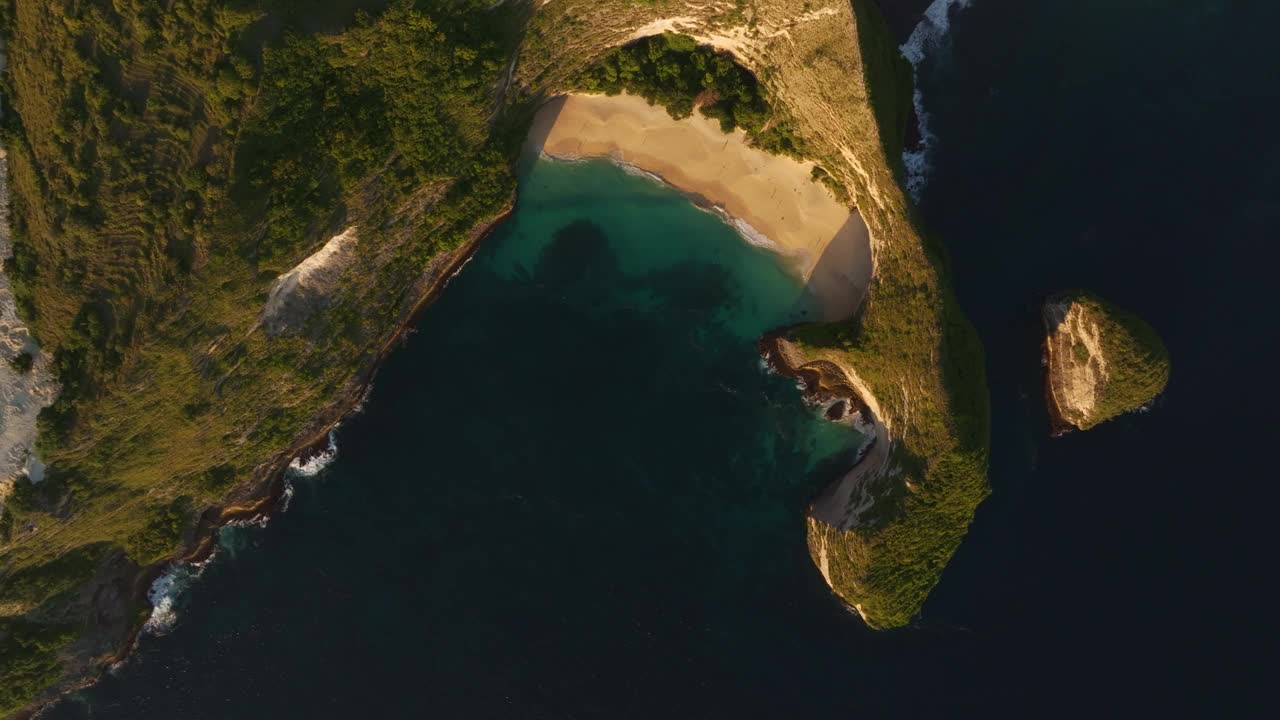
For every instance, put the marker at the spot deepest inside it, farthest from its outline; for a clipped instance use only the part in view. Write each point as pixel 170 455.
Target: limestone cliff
pixel 1100 361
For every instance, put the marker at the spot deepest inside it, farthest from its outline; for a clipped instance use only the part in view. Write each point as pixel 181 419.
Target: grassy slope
pixel 1137 360
pixel 156 196
pixel 165 168
pixel 923 362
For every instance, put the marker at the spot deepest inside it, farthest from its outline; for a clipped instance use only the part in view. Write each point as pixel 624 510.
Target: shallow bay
pixel 576 491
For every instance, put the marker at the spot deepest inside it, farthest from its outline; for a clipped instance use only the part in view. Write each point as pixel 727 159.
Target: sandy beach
pixel 773 196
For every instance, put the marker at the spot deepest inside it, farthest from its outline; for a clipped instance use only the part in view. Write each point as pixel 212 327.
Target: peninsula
pixel 224 215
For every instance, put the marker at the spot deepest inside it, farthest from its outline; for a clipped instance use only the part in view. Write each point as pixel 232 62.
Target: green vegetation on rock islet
pixel 1102 361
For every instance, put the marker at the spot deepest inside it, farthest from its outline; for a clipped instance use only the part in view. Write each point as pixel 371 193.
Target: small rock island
pixel 1101 361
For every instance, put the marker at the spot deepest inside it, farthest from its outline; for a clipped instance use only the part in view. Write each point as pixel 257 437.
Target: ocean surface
pixel 575 493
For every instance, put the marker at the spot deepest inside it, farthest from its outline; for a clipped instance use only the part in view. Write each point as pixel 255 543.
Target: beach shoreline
pixel 770 200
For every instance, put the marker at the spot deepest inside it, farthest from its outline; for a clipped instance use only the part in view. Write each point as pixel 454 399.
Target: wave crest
pixel 315 462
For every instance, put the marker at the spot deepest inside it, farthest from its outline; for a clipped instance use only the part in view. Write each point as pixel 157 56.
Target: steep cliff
pixel 167 168
pixel 1101 361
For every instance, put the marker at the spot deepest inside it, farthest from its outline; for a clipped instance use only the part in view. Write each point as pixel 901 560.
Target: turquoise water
pixel 576 492
pixel 651 230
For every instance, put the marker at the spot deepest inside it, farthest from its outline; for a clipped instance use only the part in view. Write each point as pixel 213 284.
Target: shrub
pixel 675 72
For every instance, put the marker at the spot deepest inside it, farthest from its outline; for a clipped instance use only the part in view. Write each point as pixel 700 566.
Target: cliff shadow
pixel 544 120
pixel 840 277
pixel 890 81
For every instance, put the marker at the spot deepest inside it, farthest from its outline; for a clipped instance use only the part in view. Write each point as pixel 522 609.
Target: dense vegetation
pixel 29 656
pixel 166 164
pixel 1136 359
pixel 889 567
pixel 675 72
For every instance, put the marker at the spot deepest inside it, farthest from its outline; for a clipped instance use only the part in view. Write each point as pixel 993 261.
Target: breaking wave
pixel 286 495
pixel 926 38
pixel 750 234
pixel 167 590
pixel 636 171
pixel 313 464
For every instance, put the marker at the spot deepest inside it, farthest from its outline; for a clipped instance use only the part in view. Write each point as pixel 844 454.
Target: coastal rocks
pixel 1100 361
pixel 849 502
pixel 27 384
pixel 297 294
pixel 861 498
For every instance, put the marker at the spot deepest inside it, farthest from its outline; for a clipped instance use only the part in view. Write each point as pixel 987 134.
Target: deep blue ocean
pixel 575 492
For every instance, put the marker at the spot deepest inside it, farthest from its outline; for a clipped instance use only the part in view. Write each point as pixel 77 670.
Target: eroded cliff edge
pixel 226 155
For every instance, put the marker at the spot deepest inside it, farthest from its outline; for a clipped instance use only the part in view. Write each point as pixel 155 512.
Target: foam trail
pixel 635 171
pixel 926 37
pixel 286 495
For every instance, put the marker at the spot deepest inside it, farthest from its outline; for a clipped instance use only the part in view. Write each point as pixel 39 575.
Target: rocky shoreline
pixel 823 386
pixel 262 494
pixel 828 386
pixel 1058 423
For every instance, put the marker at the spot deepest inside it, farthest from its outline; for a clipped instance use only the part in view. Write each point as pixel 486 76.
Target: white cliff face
pixel 297 294
pixel 1077 366
pixel 22 394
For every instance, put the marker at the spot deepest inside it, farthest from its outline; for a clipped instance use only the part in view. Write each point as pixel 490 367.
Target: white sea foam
pixel 166 591
pixel 455 274
pixel 925 39
pixel 752 235
pixel 258 521
pixel 562 158
pixel 359 408
pixel 286 495
pixel 742 227
pixel 314 464
pixel 635 171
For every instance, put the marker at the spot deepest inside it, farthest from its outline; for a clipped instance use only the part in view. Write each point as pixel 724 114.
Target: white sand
pixel 770 196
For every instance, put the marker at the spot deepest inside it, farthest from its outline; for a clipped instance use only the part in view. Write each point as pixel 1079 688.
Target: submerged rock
pixel 1101 361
